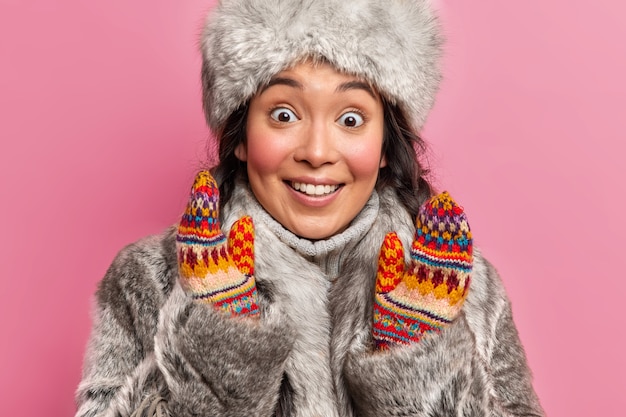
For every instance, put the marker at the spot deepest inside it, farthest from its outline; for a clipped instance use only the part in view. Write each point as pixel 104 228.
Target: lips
pixel 314 189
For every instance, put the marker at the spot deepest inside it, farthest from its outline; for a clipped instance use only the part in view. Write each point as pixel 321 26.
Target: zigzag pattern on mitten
pixel 430 294
pixel 207 271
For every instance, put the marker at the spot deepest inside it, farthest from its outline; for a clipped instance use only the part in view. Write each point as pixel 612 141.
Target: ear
pixel 241 152
pixel 383 162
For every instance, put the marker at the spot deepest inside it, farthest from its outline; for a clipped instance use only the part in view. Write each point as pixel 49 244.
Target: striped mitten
pixel 213 269
pixel 429 293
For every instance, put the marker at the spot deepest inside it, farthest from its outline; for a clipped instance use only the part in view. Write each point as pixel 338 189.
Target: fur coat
pixel 310 354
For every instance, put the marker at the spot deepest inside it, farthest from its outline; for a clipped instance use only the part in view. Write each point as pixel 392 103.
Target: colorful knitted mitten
pixel 429 293
pixel 213 269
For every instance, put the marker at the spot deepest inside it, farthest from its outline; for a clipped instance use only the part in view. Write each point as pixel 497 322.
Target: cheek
pixel 265 154
pixel 364 159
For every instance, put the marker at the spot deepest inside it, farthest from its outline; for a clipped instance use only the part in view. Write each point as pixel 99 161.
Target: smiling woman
pixel 313 148
pixel 285 290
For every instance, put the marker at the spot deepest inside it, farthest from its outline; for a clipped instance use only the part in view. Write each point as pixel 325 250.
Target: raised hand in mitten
pixel 428 294
pixel 213 269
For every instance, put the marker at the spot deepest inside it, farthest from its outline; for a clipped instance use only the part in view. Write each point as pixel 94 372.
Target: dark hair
pixel 401 146
pixel 229 167
pixel 404 171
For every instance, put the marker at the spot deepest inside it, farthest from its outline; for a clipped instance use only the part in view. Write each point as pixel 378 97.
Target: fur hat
pixel 394 44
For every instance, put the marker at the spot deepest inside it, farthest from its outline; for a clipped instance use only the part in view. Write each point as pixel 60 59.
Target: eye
pixel 351 119
pixel 283 115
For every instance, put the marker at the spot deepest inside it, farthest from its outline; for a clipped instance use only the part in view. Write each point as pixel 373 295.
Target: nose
pixel 317 146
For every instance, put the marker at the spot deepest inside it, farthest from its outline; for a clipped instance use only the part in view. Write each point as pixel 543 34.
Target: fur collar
pixel 330 316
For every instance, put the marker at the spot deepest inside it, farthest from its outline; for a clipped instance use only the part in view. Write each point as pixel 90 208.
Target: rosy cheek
pixel 264 154
pixel 364 159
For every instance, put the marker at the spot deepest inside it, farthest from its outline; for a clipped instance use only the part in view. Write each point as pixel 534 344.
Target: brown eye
pixel 351 119
pixel 283 115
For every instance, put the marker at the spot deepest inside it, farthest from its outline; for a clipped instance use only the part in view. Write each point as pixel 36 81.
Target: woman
pixel 311 306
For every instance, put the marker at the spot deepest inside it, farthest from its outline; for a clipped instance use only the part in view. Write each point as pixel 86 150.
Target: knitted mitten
pixel 428 294
pixel 213 269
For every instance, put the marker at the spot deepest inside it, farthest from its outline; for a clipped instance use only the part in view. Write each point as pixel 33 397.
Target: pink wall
pixel 101 131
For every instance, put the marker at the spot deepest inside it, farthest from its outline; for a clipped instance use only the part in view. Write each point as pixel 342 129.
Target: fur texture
pixel 311 353
pixel 394 44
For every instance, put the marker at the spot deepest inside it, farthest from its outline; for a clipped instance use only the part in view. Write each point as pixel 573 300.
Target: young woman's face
pixel 313 150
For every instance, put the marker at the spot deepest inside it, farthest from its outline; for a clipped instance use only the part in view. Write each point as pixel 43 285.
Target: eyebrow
pixel 283 81
pixel 356 85
pixel 350 85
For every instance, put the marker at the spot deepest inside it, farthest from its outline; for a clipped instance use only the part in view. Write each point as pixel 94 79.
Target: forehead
pixel 310 67
pixel 313 76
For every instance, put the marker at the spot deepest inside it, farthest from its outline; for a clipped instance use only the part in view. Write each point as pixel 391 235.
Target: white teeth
pixel 311 189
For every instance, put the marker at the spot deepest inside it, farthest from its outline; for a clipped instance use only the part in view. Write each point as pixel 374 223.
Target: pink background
pixel 101 131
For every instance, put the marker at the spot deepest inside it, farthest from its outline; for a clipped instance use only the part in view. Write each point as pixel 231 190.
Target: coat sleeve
pixel 216 365
pixel 474 367
pixel 150 341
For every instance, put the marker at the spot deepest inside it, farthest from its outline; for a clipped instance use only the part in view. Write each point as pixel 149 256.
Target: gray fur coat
pixel 310 354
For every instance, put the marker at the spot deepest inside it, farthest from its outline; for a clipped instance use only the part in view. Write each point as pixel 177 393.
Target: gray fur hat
pixel 393 44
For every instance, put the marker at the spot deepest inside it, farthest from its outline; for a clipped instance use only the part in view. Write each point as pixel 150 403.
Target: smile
pixel 314 190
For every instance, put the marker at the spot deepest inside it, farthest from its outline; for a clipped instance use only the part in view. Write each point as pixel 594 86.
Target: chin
pixel 315 232
pixel 314 236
